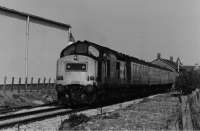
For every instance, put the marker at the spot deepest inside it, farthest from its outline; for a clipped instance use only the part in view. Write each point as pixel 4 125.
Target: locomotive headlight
pixel 90 78
pixel 75 57
pixel 66 96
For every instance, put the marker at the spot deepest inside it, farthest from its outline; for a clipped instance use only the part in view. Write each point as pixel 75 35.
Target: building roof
pixel 15 13
pixel 168 62
pixel 119 55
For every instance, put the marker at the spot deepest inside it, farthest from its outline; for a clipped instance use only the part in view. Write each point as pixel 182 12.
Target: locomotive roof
pixel 119 55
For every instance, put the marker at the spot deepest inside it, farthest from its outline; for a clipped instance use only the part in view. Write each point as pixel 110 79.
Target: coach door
pixel 108 70
pixel 128 68
pixel 99 71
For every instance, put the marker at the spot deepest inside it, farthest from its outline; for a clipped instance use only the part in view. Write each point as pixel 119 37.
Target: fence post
pixel 20 81
pixel 31 80
pixel 26 85
pixel 49 84
pixel 54 85
pixel 38 84
pixel 5 79
pixel 13 80
pixel 49 81
pixel 44 81
pixel 31 85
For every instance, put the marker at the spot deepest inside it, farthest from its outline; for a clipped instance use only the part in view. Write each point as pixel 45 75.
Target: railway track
pixel 29 115
pixel 23 117
pixel 40 113
pixel 7 109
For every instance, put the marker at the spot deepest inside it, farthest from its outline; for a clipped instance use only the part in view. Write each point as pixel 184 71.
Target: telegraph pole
pixel 26 47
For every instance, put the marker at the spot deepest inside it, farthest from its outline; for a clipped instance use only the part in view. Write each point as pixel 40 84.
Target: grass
pixel 73 121
pixel 158 113
pixel 195 114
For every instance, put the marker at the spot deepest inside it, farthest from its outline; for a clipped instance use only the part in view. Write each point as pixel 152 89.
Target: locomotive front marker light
pixel 92 78
pixel 66 96
pixel 75 57
pixel 83 67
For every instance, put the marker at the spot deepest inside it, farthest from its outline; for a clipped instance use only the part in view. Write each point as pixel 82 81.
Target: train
pixel 88 73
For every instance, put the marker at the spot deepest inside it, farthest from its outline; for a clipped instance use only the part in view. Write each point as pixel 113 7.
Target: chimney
pixel 171 58
pixel 158 55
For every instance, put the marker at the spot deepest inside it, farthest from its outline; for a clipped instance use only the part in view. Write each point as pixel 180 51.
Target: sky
pixel 140 28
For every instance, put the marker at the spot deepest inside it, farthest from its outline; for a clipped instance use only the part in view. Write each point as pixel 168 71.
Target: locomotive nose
pixel 79 96
pixel 60 88
pixel 89 88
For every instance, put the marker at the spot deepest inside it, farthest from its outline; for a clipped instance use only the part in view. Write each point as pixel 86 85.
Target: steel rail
pixel 6 109
pixel 24 118
pixel 26 113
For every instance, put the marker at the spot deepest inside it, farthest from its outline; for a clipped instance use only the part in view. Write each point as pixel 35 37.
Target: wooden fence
pixel 19 83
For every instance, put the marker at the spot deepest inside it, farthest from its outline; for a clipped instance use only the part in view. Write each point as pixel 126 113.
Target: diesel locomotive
pixel 88 73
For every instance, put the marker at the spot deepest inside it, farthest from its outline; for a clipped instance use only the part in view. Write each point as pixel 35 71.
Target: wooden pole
pixel 5 79
pixel 26 47
pixel 26 83
pixel 38 84
pixel 20 81
pixel 13 80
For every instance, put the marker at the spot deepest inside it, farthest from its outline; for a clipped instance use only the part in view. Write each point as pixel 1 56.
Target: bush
pixel 75 120
pixel 187 81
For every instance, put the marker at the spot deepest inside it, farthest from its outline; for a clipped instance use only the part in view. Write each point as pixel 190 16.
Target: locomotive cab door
pixel 102 71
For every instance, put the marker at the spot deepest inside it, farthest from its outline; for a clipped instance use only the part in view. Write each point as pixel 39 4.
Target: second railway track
pixel 24 117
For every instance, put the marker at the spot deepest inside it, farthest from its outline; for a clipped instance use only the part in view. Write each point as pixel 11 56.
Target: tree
pixel 188 81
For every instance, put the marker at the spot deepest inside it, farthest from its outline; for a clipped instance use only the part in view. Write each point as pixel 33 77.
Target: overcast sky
pixel 140 28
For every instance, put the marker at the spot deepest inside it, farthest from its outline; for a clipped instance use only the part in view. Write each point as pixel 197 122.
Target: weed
pixel 73 121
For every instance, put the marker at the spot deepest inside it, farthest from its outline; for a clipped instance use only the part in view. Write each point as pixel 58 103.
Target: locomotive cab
pixel 77 73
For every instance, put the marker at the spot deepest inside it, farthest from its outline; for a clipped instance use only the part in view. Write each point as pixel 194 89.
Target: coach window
pixel 93 51
pixel 137 69
pixel 81 48
pixel 108 69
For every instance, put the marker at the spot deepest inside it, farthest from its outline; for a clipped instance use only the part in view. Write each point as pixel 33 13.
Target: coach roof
pixel 119 55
